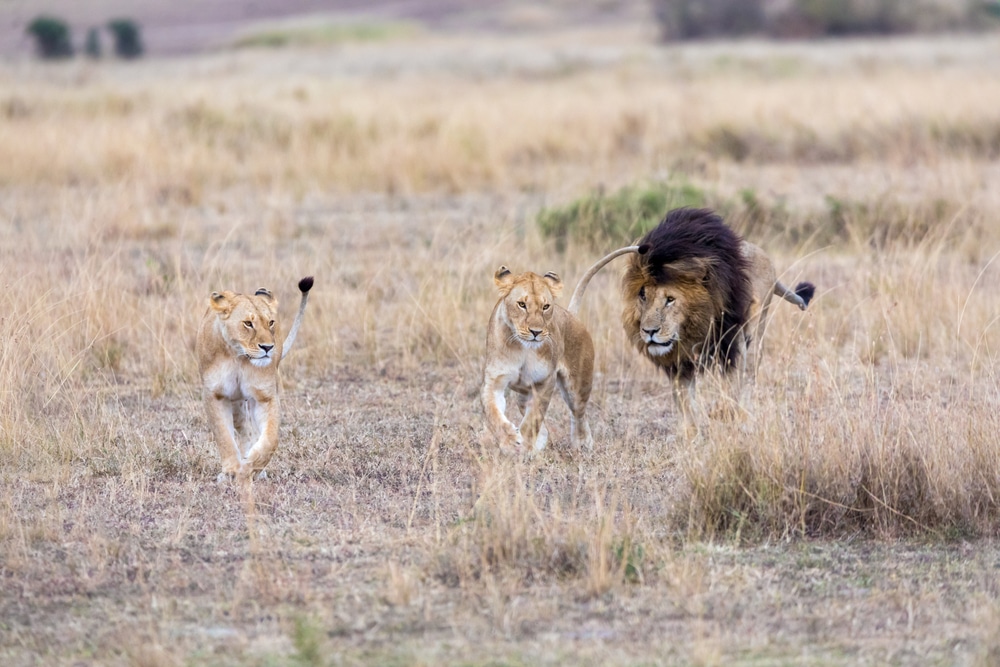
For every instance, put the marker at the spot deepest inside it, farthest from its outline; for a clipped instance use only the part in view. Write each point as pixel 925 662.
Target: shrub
pixel 601 220
pixel 128 39
pixel 52 37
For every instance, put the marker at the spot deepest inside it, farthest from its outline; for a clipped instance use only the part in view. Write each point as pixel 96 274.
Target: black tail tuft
pixel 805 291
pixel 644 248
pixel 306 284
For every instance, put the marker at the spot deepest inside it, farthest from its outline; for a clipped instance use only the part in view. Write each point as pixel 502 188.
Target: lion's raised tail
pixel 304 286
pixel 801 297
pixel 581 287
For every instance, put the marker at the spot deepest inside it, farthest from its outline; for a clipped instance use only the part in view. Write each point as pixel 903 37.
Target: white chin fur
pixel 530 344
pixel 659 350
pixel 261 362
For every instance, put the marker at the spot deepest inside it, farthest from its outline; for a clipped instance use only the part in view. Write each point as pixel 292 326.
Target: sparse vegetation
pixel 314 34
pixel 851 517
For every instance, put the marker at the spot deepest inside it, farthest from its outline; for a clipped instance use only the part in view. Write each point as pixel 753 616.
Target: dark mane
pixel 687 233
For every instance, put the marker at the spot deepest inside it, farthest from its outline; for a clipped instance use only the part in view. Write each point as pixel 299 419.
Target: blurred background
pixel 191 26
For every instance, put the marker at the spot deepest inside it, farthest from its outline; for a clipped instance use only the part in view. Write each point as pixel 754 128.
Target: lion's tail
pixel 304 286
pixel 801 296
pixel 581 287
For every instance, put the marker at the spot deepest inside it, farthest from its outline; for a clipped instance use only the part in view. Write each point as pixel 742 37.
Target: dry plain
pixel 851 518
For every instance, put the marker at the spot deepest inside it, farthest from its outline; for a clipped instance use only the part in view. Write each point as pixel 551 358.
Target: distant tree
pixel 52 37
pixel 128 40
pixel 92 47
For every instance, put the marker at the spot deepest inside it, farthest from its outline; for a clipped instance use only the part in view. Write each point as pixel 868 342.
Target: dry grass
pixel 849 520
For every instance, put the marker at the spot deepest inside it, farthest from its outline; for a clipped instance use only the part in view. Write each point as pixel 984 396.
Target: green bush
pixel 601 220
pixel 52 37
pixel 128 39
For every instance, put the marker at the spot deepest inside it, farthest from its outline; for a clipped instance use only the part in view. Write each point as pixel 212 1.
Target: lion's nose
pixel 266 348
pixel 535 332
pixel 651 332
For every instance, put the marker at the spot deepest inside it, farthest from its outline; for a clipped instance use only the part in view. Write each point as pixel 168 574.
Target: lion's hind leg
pixel 577 395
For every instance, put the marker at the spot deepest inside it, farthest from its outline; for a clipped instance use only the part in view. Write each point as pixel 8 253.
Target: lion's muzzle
pixel 263 358
pixel 655 346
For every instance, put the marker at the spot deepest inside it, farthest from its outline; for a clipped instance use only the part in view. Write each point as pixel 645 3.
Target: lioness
pixel 533 345
pixel 239 348
pixel 697 297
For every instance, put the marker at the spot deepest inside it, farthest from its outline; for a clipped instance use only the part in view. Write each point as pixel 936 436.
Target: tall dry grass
pixel 295 127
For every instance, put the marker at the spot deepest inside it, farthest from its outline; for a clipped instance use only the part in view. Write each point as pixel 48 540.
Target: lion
pixel 697 298
pixel 239 348
pixel 534 345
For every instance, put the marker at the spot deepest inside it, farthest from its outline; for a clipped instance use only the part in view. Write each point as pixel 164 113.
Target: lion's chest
pixel 232 381
pixel 533 369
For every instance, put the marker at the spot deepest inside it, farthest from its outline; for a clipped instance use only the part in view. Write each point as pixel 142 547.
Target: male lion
pixel 239 348
pixel 532 346
pixel 697 298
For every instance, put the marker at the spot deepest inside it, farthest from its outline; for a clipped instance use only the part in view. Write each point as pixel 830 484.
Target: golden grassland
pixel 849 519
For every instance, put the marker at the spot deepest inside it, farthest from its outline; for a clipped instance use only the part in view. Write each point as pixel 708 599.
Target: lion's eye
pixel 642 293
pixel 270 325
pixel 248 324
pixel 522 305
pixel 670 300
pixel 546 307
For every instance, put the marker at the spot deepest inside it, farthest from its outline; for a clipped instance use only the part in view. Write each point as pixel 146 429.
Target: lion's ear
pixel 221 303
pixel 695 269
pixel 503 278
pixel 554 282
pixel 264 292
pixel 706 268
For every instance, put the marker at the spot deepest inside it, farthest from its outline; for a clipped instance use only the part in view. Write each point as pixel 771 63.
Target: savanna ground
pixel 851 518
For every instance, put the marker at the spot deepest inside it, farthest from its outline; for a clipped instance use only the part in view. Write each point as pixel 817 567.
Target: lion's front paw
pixel 226 477
pixel 511 442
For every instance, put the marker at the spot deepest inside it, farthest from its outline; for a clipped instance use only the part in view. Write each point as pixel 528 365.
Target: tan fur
pixel 532 346
pixel 669 323
pixel 239 349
